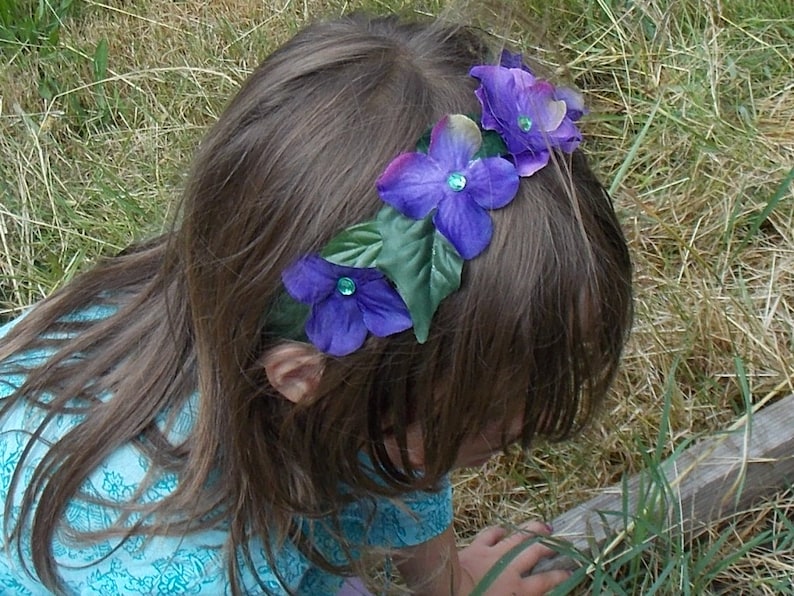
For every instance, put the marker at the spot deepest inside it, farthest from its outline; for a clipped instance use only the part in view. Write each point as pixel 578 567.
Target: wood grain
pixel 714 478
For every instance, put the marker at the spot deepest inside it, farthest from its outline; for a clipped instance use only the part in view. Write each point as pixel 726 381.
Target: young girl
pixel 391 261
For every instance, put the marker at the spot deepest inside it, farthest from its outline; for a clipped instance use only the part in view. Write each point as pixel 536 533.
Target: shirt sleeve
pixel 381 523
pixel 413 519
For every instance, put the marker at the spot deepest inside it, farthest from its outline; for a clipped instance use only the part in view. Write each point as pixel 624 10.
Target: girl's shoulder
pixel 32 358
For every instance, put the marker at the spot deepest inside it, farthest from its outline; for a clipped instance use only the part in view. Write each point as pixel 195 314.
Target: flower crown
pixel 389 274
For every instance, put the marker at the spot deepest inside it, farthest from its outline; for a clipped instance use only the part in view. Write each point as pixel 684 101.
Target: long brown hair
pixel 536 329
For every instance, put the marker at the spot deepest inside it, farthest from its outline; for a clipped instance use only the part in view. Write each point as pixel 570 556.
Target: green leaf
pixel 423 265
pixel 101 60
pixel 287 318
pixel 492 145
pixel 47 88
pixel 770 206
pixel 356 246
pixel 423 144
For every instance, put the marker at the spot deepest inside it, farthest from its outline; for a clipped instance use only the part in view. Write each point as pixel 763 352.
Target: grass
pixel 691 125
pixel 32 23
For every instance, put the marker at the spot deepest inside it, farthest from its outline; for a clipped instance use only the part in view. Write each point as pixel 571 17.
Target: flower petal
pixel 488 120
pixel 529 162
pixel 384 312
pixel 537 102
pixel 336 325
pixel 567 136
pixel 501 94
pixel 309 279
pixel 574 101
pixel 498 89
pixel 492 182
pixel 412 183
pixel 552 115
pixel 454 141
pixel 465 224
pixel 523 80
pixel 509 59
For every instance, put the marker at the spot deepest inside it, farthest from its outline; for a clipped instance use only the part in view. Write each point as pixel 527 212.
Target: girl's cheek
pixel 415 448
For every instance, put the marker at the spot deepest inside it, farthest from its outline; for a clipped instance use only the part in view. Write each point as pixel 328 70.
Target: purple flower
pixel 574 101
pixel 510 59
pixel 530 114
pixel 450 180
pixel 345 303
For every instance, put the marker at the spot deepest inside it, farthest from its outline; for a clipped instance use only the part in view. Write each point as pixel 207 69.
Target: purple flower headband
pixel 389 274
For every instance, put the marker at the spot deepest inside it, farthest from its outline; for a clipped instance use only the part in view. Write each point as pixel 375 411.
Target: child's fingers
pixel 546 581
pixel 535 527
pixel 503 540
pixel 492 544
pixel 526 531
pixel 490 536
pixel 526 560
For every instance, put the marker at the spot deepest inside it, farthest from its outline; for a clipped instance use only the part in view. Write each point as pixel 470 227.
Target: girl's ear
pixel 294 369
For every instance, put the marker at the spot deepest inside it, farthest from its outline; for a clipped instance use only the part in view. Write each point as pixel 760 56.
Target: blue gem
pixel 524 123
pixel 346 286
pixel 456 181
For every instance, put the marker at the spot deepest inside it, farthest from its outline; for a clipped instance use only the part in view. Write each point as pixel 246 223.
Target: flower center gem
pixel 345 286
pixel 524 123
pixel 456 181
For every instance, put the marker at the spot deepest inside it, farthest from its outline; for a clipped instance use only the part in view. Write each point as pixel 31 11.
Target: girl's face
pixel 479 448
pixel 476 449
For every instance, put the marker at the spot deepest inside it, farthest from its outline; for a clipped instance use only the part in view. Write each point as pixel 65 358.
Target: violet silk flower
pixel 572 98
pixel 346 302
pixel 450 180
pixel 532 115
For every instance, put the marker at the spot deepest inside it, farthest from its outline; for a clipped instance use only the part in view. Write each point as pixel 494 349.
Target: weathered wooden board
pixel 715 477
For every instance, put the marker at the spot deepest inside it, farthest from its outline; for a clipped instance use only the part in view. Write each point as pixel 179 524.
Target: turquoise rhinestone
pixel 456 181
pixel 346 286
pixel 524 123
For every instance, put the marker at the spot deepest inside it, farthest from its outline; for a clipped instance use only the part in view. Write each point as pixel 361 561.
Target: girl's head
pixel 527 345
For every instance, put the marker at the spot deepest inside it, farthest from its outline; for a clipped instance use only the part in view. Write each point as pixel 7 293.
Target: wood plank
pixel 714 478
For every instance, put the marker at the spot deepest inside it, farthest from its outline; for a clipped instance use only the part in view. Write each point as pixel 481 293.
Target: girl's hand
pixel 438 568
pixel 490 545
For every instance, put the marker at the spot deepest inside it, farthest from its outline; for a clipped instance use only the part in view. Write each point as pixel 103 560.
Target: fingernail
pixel 549 527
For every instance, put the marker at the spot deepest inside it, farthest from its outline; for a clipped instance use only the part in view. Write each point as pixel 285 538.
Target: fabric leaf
pixel 357 246
pixel 422 264
pixel 423 144
pixel 492 145
pixel 287 318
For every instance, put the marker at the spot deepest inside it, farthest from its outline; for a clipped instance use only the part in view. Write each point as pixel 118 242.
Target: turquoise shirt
pixel 190 564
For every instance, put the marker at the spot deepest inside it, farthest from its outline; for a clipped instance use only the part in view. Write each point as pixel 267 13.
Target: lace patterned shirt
pixel 190 564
